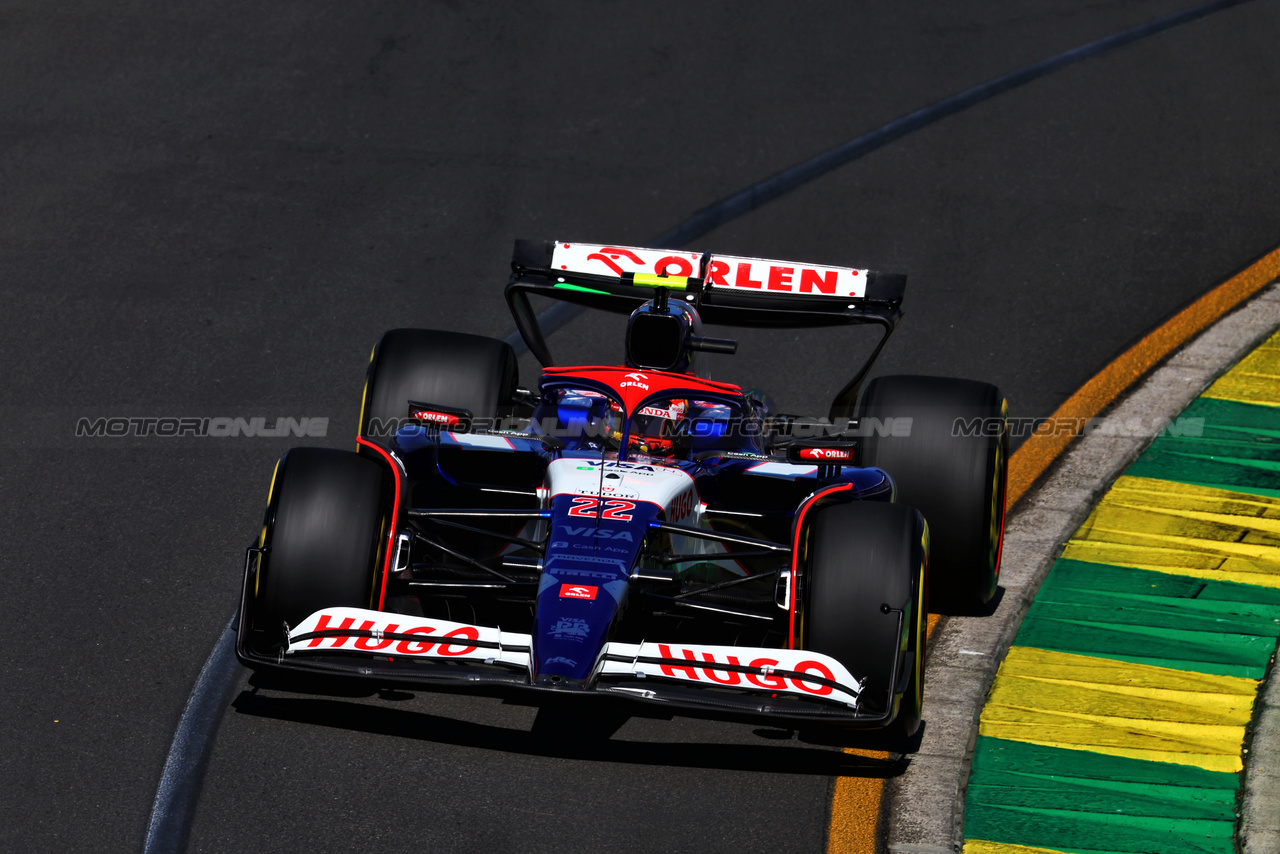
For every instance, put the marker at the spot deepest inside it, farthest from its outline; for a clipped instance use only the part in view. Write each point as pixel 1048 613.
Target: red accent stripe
pixel 795 555
pixel 619 371
pixel 395 516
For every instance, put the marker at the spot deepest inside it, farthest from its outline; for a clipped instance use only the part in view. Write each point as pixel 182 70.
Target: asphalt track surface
pixel 214 210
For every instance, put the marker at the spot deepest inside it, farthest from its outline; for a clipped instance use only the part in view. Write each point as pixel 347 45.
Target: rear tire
pixel 863 556
pixel 429 366
pixel 955 478
pixel 324 530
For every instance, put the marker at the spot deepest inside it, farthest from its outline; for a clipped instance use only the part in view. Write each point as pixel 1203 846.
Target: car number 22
pixel 615 509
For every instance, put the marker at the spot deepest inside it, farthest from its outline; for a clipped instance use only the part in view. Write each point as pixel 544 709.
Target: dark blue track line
pixel 745 201
pixel 183 773
pixel 179 788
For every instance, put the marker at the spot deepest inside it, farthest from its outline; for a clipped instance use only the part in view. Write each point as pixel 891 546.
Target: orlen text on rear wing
pixel 726 290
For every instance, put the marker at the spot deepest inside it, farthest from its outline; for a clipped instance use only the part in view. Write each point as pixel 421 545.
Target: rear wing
pixel 726 290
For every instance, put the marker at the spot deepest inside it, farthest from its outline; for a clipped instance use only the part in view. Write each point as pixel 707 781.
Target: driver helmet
pixel 658 431
pixel 590 416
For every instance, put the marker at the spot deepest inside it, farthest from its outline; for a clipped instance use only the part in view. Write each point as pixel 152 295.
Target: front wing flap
pixel 785 671
pixel 395 635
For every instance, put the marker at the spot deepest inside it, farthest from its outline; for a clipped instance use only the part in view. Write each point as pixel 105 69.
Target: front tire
pixel 323 534
pixel 862 557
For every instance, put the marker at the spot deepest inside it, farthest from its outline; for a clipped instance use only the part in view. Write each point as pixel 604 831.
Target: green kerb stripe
pixel 1239 449
pixel 1077 801
pixel 1154 618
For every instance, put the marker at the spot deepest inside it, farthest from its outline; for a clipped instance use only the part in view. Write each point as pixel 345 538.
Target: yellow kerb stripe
pixel 1077 702
pixel 981 846
pixel 1162 526
pixel 1255 380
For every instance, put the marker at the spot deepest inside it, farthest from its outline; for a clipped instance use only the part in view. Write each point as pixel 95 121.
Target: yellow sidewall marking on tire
pixel 364 396
pixel 262 538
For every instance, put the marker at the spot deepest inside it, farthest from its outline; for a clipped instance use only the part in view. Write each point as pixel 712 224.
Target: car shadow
pixel 566 733
pixel 985 610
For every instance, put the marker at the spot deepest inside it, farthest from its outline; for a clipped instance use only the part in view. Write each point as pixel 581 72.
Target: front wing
pixel 397 649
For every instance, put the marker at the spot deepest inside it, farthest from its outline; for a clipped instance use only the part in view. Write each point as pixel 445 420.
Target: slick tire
pixel 952 467
pixel 862 558
pixel 323 533
pixel 430 366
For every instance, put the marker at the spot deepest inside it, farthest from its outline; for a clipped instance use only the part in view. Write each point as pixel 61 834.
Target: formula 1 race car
pixel 637 529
